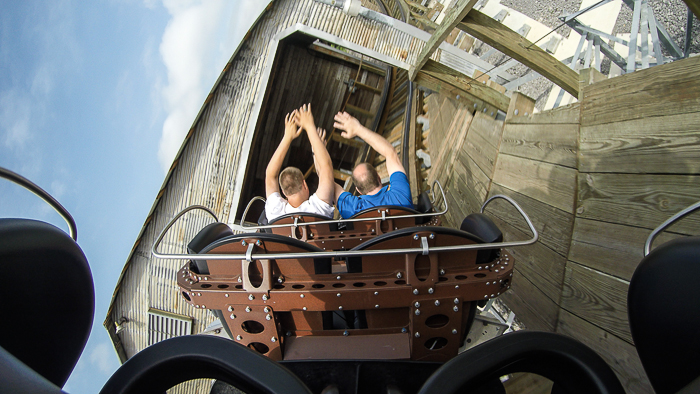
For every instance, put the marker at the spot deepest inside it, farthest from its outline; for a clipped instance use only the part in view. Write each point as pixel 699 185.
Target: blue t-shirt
pixel 397 193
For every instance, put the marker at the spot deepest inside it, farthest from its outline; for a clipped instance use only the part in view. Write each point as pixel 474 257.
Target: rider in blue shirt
pixel 365 176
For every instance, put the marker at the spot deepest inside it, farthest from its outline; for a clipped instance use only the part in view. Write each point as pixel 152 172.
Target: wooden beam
pixel 353 143
pixel 694 6
pixel 473 87
pixel 456 14
pixel 519 48
pixel 340 55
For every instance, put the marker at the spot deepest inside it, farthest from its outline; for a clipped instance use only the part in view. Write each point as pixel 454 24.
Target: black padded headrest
pixel 663 305
pixel 424 205
pixel 207 235
pixel 49 297
pixel 483 227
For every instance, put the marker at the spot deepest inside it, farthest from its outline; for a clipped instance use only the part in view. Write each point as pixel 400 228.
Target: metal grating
pixel 163 325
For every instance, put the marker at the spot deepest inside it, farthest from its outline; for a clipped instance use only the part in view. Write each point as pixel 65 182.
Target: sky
pixel 95 100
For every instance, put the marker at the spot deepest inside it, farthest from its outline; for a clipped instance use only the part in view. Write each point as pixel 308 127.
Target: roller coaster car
pixel 375 286
pixel 34 359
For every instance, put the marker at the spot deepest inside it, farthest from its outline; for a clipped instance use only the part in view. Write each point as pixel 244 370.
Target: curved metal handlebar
pixel 245 213
pixel 44 195
pixel 296 224
pixel 173 220
pixel 349 253
pixel 664 225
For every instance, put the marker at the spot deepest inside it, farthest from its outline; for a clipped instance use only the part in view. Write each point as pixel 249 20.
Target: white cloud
pixel 102 356
pixel 15 115
pixel 197 42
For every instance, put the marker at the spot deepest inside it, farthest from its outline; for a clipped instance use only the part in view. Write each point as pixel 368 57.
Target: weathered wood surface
pixel 455 78
pixel 520 106
pixel 527 383
pixel 454 16
pixel 551 184
pixel 554 144
pixel 518 47
pixel 614 249
pixel 553 224
pixel 482 142
pixel 531 305
pixel 663 144
pixel 638 200
pixel 542 266
pixel 670 89
pixel 446 90
pixel 618 354
pixel 566 114
pixel 597 298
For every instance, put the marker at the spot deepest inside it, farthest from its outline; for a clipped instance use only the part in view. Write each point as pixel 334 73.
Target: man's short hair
pixel 366 178
pixel 291 181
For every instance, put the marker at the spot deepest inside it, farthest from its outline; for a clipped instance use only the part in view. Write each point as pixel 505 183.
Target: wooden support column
pixel 589 76
pixel 520 105
pixel 694 6
pixel 455 15
pixel 412 171
pixel 519 48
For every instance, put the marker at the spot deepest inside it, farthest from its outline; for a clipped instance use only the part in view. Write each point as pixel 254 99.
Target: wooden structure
pixel 595 177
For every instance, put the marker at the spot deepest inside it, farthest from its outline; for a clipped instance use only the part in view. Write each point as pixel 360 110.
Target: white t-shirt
pixel 276 206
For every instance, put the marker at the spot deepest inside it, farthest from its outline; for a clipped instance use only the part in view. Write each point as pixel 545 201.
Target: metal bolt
pixel 247 309
pixel 493 295
pixel 488 283
pixel 399 276
pixel 442 271
pixel 437 303
pixel 457 97
pixel 240 280
pixel 417 335
pixel 415 291
pixel 337 295
pixel 454 331
pixel 376 306
pixel 431 291
pixel 251 297
pixel 280 280
pixel 265 297
pixel 258 242
pixel 340 307
pixel 474 105
pixel 303 309
pixel 479 267
pixel 502 267
pixel 230 308
pixel 301 295
pixel 238 337
pixel 226 295
pixel 516 112
pixel 456 300
pixel 404 330
pixel 417 304
pixel 337 277
pixel 289 333
pixel 232 316
pixel 496 270
pixel 346 333
pixel 268 317
pixel 417 312
pixel 266 309
pixel 456 286
pixel 456 308
pixel 491 113
pixel 376 293
pixel 431 236
pixel 526 114
pixel 415 237
pixel 273 339
pixel 243 243
pixel 486 296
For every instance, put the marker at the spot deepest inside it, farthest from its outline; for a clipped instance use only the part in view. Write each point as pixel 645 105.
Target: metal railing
pixel 670 221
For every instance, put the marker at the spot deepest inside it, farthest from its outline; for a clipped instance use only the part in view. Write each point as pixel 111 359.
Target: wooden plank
pixel 358 111
pixel 639 200
pixel 553 224
pixel 527 383
pixel 489 129
pixel 471 177
pixel 354 143
pixel 597 298
pixel 413 180
pixel 520 105
pixel 618 354
pixel 454 16
pixel 531 306
pixel 436 85
pixel 467 84
pixel 330 51
pixel 560 115
pixel 555 144
pixel 669 89
pixel 551 184
pixel 589 76
pixel 693 6
pixel 542 266
pixel 481 153
pixel 662 144
pixel 519 48
pixel 615 249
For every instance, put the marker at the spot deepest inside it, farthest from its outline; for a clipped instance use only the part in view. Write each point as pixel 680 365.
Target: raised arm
pixel 275 165
pixel 352 128
pixel 324 167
